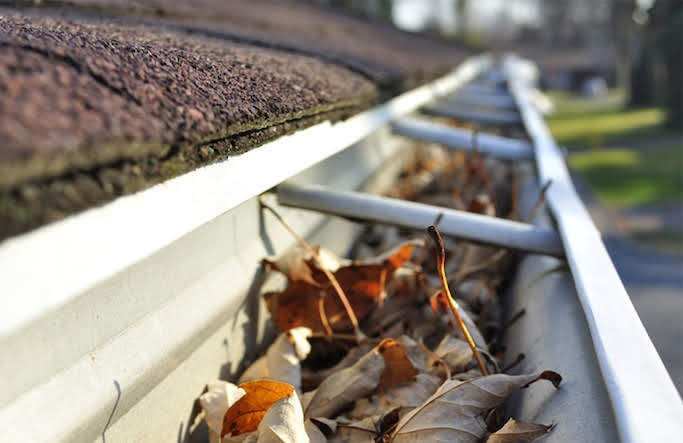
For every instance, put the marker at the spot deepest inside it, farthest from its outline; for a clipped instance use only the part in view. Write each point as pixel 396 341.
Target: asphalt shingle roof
pixel 100 99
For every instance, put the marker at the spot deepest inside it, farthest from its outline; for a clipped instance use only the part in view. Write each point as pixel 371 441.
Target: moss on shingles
pixel 41 201
pixel 80 94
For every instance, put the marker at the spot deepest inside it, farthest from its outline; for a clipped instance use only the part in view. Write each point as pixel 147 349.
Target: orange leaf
pixel 246 414
pixel 363 284
pixel 399 370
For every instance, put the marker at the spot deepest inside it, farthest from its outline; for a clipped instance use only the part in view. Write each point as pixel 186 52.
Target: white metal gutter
pixel 116 307
pixel 132 227
pixel 464 140
pixel 646 403
pixel 406 214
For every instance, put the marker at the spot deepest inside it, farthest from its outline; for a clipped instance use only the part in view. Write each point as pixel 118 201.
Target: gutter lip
pixel 645 402
pixel 133 227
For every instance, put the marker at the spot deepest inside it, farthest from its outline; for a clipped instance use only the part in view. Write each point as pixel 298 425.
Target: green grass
pixel 629 177
pixel 594 123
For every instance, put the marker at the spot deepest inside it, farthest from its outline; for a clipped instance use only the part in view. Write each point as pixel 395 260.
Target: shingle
pixel 153 86
pixel 390 57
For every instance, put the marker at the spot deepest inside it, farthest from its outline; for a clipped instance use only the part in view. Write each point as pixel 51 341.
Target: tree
pixel 667 27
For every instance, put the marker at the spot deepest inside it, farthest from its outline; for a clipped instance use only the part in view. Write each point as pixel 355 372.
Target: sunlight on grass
pixel 583 122
pixel 628 177
pixel 596 128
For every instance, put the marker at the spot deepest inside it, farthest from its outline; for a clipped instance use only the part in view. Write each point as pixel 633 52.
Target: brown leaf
pixel 453 412
pixel 246 414
pixel 363 284
pixel 454 352
pixel 399 370
pixel 313 378
pixel 283 422
pixel 367 429
pixel 347 386
pixel 219 396
pixel 298 265
pixel 515 431
pixel 402 398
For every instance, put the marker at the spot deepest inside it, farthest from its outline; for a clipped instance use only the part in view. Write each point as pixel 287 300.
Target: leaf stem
pixel 440 264
pixel 333 281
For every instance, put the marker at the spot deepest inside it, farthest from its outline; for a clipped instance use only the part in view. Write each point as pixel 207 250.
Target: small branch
pixel 323 316
pixel 539 201
pixel 440 264
pixel 333 281
pixel 436 359
pixel 520 358
pixel 466 272
pixel 425 249
pixel 519 314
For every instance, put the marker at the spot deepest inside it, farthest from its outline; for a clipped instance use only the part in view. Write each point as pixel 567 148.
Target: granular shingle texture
pixel 101 98
pixel 388 56
pixel 188 88
pixel 50 112
pixel 92 109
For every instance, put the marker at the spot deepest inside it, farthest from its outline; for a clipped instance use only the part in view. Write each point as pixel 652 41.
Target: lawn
pixel 630 177
pixel 631 159
pixel 580 122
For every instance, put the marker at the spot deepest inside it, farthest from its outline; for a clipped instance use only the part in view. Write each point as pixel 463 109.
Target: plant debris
pixel 401 344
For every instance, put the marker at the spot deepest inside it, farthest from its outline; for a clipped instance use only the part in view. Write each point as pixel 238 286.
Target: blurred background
pixel 613 71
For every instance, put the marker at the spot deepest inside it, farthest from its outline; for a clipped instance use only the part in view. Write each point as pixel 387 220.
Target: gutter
pixel 118 306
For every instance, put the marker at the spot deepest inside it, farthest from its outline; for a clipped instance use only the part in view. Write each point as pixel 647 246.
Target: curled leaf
pixel 220 395
pixel 347 386
pixel 402 398
pixel 399 370
pixel 454 352
pixel 283 422
pixel 282 361
pixel 298 264
pixel 362 282
pixel 515 431
pixel 454 411
pixel 245 415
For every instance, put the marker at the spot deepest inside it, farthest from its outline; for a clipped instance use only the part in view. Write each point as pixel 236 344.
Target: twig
pixel 323 315
pixel 520 358
pixel 348 337
pixel 321 265
pixel 466 272
pixel 425 249
pixel 539 201
pixel 514 197
pixel 440 264
pixel 436 359
pixel 490 359
pixel 519 314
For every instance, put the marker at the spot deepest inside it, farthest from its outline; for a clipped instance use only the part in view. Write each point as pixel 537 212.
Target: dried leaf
pixel 453 412
pixel 245 415
pixel 282 361
pixel 454 352
pixel 347 386
pixel 403 398
pixel 515 431
pixel 284 423
pixel 367 429
pixel 363 284
pixel 314 378
pixel 215 402
pixel 315 435
pixel 399 370
pixel 298 264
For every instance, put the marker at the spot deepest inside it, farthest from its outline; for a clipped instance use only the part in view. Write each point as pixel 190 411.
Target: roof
pixel 98 105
